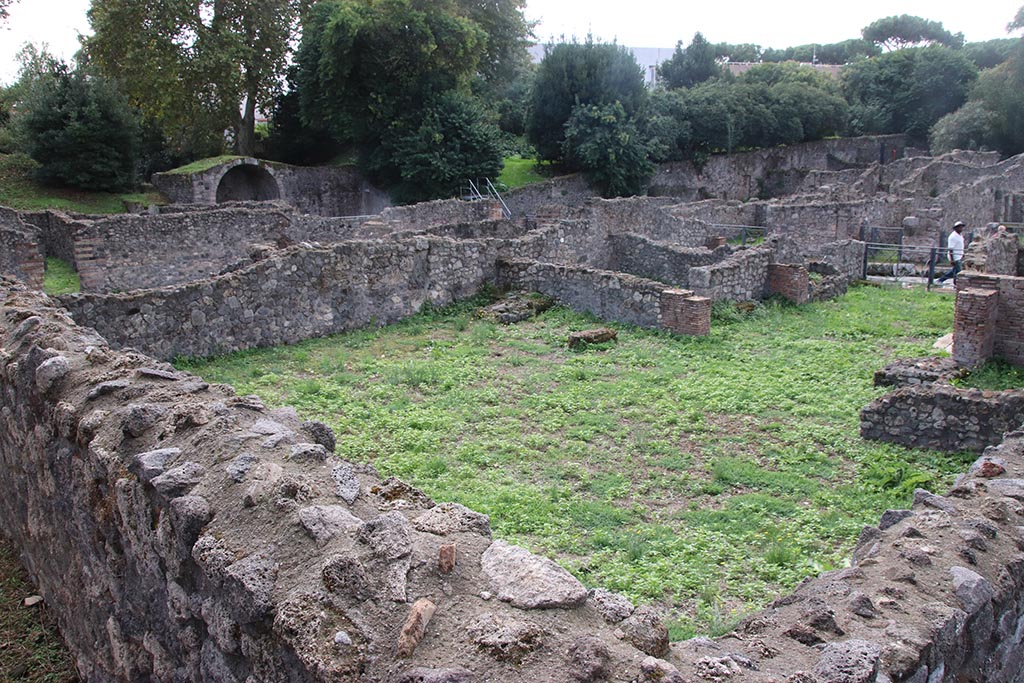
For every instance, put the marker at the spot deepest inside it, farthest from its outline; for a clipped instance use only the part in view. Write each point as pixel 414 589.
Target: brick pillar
pixel 974 326
pixel 715 241
pixel 684 313
pixel 789 281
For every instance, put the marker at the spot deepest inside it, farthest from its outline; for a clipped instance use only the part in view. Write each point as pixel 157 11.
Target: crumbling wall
pixel 997 332
pixel 659 261
pixel 943 417
pixel 321 190
pixel 129 252
pixel 612 296
pixel 20 256
pixel 182 533
pixel 741 277
pixel 55 231
pixel 297 294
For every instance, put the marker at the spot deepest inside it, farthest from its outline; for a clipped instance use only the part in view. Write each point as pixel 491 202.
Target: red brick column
pixel 684 313
pixel 31 264
pixel 789 281
pixel 974 326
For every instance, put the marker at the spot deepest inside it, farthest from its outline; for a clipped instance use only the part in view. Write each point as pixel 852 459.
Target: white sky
pixel 638 23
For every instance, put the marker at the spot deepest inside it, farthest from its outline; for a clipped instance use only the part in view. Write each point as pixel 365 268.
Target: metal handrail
pixel 507 212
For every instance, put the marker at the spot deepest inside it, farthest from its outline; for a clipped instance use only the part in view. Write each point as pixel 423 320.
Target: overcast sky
pixel 638 23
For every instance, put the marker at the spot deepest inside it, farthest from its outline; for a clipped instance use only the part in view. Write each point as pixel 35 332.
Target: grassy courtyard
pixel 707 475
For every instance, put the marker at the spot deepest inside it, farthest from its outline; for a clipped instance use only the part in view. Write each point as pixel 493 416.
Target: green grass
pixel 30 647
pixel 995 375
pixel 60 278
pixel 709 475
pixel 518 172
pixel 19 191
pixel 201 165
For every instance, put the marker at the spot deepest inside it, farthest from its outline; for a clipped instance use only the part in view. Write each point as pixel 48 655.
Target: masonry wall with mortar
pixel 1008 326
pixel 659 261
pixel 791 282
pixel 296 294
pixel 743 276
pixel 619 297
pixel 943 417
pixel 20 256
pixel 181 532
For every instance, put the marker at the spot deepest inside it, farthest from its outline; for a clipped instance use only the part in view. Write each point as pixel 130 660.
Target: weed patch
pixel 657 466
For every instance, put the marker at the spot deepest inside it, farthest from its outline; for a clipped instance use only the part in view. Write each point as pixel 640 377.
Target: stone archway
pixel 247 183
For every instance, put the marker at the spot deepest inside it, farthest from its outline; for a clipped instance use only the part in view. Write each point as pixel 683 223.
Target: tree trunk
pixel 245 142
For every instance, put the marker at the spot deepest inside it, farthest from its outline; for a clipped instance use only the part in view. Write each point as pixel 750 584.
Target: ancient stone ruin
pixel 183 533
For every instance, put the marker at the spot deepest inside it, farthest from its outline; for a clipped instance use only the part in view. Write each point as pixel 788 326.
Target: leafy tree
pixel 574 74
pixel 508 32
pixel 907 91
pixel 604 141
pixel 903 31
pixel 1001 91
pixel 842 52
pixel 969 127
pixel 743 52
pixel 4 4
pixel 690 66
pixel 394 79
pixel 432 152
pixel 990 53
pixel 363 65
pixel 196 67
pixel 80 130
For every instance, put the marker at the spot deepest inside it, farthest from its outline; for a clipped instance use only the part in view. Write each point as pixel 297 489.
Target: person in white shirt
pixel 955 245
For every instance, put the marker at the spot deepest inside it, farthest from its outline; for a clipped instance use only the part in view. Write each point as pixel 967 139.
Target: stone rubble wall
pixel 55 231
pixel 297 294
pixel 183 533
pixel 767 172
pixel 20 255
pixel 943 417
pixel 618 297
pixel 127 252
pixel 741 277
pixel 659 261
pixel 323 190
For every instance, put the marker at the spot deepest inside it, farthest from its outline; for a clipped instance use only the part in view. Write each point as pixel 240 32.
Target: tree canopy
pixel 79 128
pixel 573 74
pixel 905 30
pixel 907 91
pixel 691 65
pixel 196 67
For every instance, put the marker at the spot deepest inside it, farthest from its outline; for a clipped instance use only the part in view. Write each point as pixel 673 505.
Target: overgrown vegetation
pixel 995 375
pixel 31 649
pixel 60 277
pixel 19 190
pixel 518 172
pixel 709 474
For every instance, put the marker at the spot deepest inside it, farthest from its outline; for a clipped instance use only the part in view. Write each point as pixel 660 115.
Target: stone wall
pixel 741 277
pixel 297 294
pixel 612 296
pixel 658 261
pixel 943 417
pixel 321 190
pixel 979 332
pixel 182 533
pixel 55 232
pixel 20 255
pixel 768 172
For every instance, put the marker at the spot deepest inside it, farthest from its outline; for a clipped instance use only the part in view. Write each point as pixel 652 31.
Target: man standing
pixel 955 245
